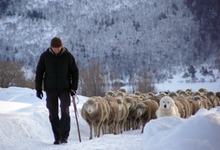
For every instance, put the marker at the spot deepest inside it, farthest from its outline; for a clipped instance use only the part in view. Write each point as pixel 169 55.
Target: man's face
pixel 56 50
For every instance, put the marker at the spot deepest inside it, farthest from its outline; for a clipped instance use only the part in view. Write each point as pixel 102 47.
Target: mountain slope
pixel 150 35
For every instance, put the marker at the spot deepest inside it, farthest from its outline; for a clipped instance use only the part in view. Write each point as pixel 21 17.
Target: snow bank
pixel 199 132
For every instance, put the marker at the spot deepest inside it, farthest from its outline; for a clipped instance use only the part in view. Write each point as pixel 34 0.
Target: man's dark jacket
pixel 57 72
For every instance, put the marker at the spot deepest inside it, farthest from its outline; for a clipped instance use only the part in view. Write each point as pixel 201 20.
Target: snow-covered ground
pixel 24 125
pixel 211 83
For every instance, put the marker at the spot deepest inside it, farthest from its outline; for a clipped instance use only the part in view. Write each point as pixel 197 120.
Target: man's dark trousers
pixel 60 126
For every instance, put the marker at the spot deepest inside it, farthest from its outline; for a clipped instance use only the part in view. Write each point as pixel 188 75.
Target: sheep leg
pixel 90 128
pixel 120 126
pixel 109 128
pixel 133 124
pixel 95 130
pixel 123 125
pixel 144 123
pixel 129 125
pixel 105 127
pixel 117 128
pixel 99 129
pixel 113 128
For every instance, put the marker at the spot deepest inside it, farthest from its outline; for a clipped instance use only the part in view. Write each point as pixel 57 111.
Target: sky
pixel 24 125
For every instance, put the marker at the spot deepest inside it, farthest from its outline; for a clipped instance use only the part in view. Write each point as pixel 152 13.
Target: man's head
pixel 56 45
pixel 56 42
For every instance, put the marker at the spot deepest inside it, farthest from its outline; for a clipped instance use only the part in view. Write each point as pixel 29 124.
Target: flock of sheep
pixel 119 111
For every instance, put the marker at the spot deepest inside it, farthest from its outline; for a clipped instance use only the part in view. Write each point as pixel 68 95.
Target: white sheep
pixel 95 113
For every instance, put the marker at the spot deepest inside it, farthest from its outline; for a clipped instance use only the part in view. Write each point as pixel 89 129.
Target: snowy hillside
pixel 114 33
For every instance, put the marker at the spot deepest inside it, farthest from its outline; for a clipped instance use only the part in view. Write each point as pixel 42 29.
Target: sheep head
pixel 91 106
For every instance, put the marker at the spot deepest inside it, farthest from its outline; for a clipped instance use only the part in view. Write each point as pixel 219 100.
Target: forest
pixel 128 39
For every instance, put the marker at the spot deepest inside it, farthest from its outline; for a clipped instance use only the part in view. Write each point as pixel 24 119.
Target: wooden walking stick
pixel 75 110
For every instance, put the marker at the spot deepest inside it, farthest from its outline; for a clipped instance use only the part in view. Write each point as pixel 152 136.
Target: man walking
pixel 58 72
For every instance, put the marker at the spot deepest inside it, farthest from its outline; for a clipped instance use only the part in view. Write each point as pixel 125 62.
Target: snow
pixel 178 82
pixel 199 132
pixel 24 125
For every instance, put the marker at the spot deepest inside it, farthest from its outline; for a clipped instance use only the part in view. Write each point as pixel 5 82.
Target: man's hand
pixel 72 92
pixel 39 94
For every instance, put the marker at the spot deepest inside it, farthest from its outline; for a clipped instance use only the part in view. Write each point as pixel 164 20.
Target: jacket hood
pixel 61 52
